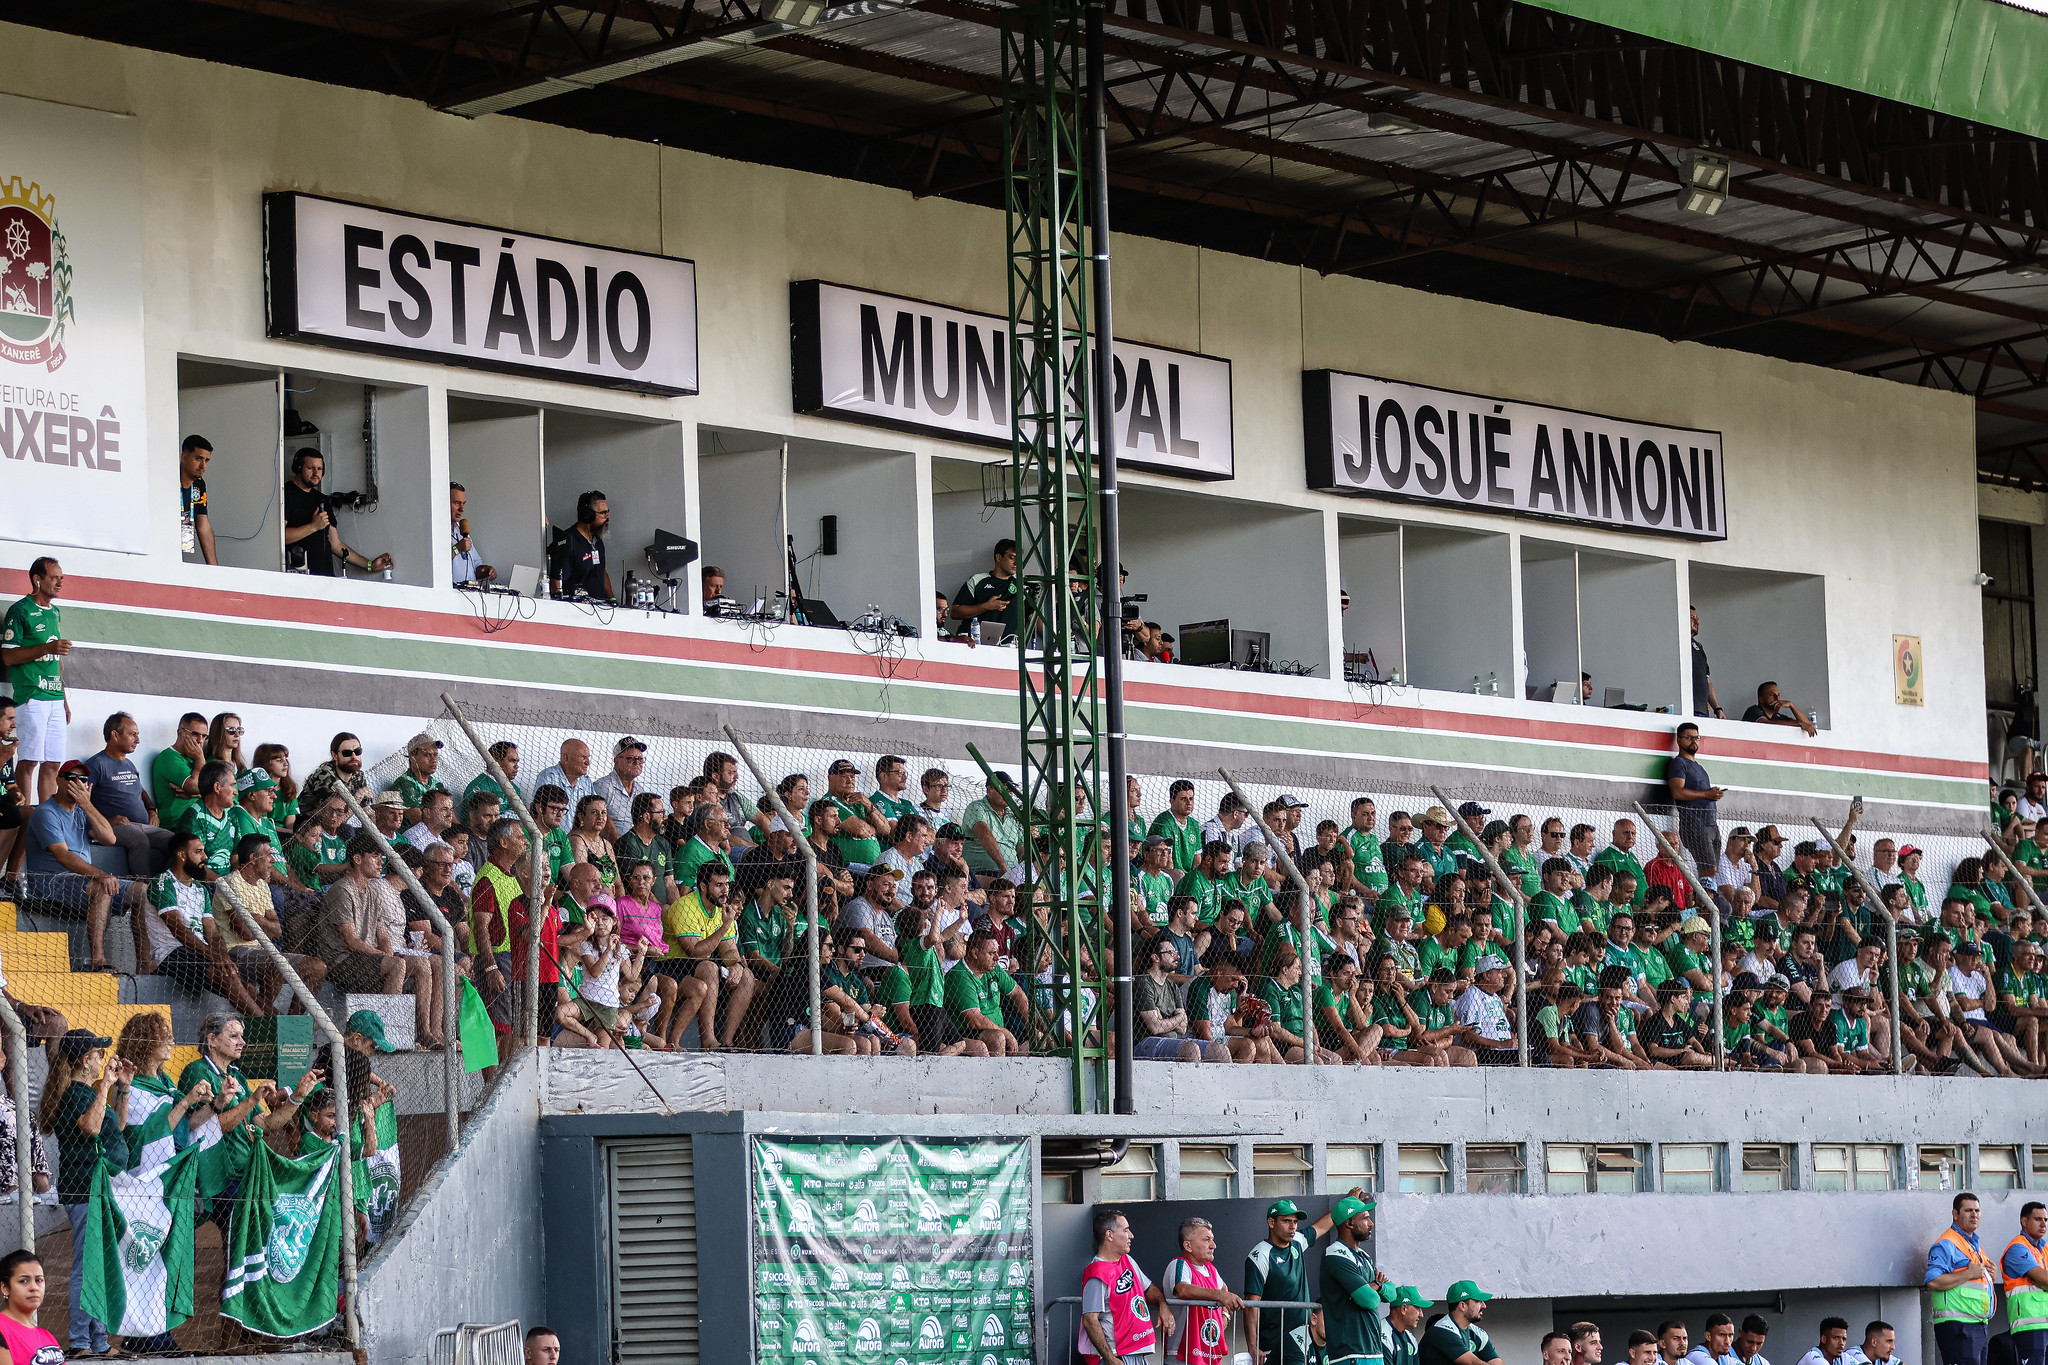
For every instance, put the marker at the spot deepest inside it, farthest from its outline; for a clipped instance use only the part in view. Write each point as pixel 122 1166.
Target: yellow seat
pixel 65 990
pixel 7 915
pixel 182 1056
pixel 35 952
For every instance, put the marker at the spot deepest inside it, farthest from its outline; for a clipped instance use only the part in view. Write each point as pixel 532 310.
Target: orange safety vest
pixel 2026 1303
pixel 1969 1301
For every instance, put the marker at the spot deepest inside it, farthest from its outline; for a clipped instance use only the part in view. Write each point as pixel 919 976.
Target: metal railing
pixel 475 1344
pixel 1061 1343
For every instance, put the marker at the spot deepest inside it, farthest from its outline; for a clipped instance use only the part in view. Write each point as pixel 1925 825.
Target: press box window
pixel 1208 1173
pixel 1766 1166
pixel 1852 1166
pixel 1493 1168
pixel 1350 1164
pixel 1998 1168
pixel 1691 1168
pixel 1425 1169
pixel 1276 1171
pixel 1135 1179
pixel 2040 1181
pixel 1589 1168
pixel 1941 1166
pixel 1057 1187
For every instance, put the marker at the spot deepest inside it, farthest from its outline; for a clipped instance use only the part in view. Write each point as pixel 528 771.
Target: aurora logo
pixel 867 1339
pixel 928 1216
pixel 840 1282
pixel 1019 1274
pixel 899 1276
pixel 992 1333
pixel 806 1335
pixel 865 1219
pixel 931 1336
pixel 990 1216
pixel 802 1221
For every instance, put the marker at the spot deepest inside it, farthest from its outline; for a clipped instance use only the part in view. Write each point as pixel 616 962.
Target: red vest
pixel 1205 1333
pixel 1132 1324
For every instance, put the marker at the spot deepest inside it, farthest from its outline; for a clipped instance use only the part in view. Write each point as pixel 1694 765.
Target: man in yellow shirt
pixel 703 929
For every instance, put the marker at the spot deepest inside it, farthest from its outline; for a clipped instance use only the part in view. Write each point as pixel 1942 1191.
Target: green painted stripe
pixel 1976 59
pixel 363 652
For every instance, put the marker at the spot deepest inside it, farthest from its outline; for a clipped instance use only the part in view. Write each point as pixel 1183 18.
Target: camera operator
pixel 582 566
pixel 311 539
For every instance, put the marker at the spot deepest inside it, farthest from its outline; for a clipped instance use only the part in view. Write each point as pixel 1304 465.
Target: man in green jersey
pixel 1350 1289
pixel 991 596
pixel 211 817
pixel 1206 881
pixel 1156 878
pixel 1456 1338
pixel 1276 1270
pixel 32 646
pixel 1554 902
pixel 1620 855
pixel 1368 868
pixel 1178 825
pixel 1405 1307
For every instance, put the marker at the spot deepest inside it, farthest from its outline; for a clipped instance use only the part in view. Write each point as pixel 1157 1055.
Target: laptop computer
pixel 525 580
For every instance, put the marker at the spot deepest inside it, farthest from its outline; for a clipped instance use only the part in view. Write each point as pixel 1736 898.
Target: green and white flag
pixel 284 1259
pixel 376 1178
pixel 137 1256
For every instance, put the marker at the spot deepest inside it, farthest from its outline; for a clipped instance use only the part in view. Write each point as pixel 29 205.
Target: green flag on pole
pixel 284 1258
pixel 479 1036
pixel 137 1256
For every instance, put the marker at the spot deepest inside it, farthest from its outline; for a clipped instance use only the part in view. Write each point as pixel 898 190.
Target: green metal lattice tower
pixel 1053 493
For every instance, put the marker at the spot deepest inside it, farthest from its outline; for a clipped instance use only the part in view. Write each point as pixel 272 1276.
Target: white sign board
pixel 895 362
pixel 1381 439
pixel 71 362
pixel 347 275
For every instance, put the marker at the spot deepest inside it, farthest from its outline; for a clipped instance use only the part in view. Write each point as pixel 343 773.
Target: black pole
pixel 1111 632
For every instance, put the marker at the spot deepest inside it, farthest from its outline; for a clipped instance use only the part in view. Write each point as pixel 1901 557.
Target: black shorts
pixel 934 1028
pixel 10 808
pixel 186 966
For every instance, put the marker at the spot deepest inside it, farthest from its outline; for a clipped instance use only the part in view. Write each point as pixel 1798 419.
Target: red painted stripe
pixel 115 592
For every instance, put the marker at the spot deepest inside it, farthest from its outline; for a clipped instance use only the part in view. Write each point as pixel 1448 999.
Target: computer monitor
pixel 1251 649
pixel 1205 643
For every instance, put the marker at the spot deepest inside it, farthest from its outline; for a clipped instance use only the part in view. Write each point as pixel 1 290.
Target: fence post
pixel 536 867
pixel 1286 861
pixel 24 1129
pixel 1891 936
pixel 339 1080
pixel 451 998
pixel 1521 943
pixel 810 857
pixel 1707 903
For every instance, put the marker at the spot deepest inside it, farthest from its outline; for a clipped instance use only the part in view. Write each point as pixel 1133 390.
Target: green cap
pixel 1463 1291
pixel 1283 1208
pixel 1406 1294
pixel 1348 1208
pixel 367 1023
pixel 255 780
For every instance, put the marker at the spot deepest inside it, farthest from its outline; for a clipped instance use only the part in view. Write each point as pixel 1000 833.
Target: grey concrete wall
pixel 468 1248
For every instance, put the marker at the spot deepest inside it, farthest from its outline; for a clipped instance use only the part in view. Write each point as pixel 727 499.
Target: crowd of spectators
pixel 667 915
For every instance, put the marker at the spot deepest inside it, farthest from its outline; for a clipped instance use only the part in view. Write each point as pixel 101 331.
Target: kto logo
pixel 35 277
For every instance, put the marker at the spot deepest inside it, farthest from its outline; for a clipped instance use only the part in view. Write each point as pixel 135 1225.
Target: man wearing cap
pixel 1688 954
pixel 422 761
pixel 1277 1270
pixel 1461 847
pixel 1457 1338
pixel 1483 1018
pixel 1405 1307
pixel 1350 1289
pixel 617 787
pixel 1435 824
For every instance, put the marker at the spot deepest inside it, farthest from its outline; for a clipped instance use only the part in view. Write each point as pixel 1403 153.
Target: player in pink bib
pixel 1119 1306
pixel 1204 1335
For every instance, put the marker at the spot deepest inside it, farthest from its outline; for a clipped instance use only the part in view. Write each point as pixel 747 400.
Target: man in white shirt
pixel 1878 1341
pixel 1884 863
pixel 437 813
pixel 1480 1010
pixel 2034 800
pixel 1738 861
pixel 619 786
pixel 1860 970
pixel 572 775
pixel 1834 1343
pixel 466 560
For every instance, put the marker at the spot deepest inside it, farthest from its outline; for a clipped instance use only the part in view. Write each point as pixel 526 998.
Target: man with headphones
pixel 582 565
pixel 311 539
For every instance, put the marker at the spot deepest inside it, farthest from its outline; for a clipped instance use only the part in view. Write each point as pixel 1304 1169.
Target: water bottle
pixel 1493 684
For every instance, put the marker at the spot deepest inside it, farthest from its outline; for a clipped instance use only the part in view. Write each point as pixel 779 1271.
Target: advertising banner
pixel 372 279
pixel 876 358
pixel 71 366
pixel 1380 438
pixel 892 1251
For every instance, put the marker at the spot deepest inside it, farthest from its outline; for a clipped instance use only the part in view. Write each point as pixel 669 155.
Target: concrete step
pixel 61 990
pixel 49 952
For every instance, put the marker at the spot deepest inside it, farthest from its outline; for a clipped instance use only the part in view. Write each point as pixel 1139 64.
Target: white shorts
pixel 41 726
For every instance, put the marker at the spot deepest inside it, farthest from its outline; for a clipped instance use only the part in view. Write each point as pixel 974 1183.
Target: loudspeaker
pixel 828 535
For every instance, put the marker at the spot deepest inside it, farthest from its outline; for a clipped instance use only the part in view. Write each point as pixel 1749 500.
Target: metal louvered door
pixel 651 1199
